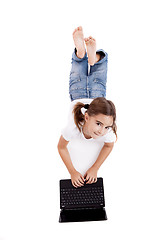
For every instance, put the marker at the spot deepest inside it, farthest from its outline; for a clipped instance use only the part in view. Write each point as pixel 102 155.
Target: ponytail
pixel 78 116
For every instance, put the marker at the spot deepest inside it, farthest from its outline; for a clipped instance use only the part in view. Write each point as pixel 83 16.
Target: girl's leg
pixel 79 69
pixel 98 69
pixel 98 75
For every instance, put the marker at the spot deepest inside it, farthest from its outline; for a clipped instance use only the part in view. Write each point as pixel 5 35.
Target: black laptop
pixel 84 203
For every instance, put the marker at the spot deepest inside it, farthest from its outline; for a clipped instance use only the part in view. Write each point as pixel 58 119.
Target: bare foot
pixel 91 50
pixel 78 39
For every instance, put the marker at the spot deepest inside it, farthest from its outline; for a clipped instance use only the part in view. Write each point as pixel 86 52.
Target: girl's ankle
pixel 99 56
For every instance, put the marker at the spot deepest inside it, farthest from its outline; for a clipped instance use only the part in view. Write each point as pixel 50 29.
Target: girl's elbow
pixel 109 145
pixel 62 144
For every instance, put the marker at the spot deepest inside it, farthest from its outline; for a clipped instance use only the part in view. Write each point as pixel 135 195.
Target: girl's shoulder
pixel 70 131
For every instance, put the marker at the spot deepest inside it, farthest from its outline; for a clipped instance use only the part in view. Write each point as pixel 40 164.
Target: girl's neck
pixel 85 132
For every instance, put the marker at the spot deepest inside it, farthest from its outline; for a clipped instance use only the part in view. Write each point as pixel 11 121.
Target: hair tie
pixel 86 106
pixel 84 109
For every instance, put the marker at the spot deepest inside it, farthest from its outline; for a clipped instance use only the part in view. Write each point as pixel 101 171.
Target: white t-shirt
pixel 72 132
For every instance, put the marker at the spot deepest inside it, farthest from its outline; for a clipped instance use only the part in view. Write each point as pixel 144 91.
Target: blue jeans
pixel 88 85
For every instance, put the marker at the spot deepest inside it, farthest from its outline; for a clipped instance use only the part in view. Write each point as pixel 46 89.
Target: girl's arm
pixel 91 174
pixel 63 152
pixel 76 178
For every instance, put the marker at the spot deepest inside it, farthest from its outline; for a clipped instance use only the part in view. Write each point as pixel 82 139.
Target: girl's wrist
pixel 71 171
pixel 94 167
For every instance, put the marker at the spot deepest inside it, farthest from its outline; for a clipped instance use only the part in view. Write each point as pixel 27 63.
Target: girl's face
pixel 97 126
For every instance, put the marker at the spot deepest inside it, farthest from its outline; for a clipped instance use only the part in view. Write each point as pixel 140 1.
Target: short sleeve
pixel 67 133
pixel 70 131
pixel 110 137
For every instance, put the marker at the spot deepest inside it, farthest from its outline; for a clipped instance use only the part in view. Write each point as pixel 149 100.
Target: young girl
pixel 93 116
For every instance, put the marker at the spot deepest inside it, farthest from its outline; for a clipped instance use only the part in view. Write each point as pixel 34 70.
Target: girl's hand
pixel 91 175
pixel 77 179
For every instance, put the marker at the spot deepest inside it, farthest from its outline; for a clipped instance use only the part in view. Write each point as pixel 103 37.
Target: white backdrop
pixel 35 56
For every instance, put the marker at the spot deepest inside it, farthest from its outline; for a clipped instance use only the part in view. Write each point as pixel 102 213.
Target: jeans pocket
pixel 99 84
pixel 74 81
pixel 74 77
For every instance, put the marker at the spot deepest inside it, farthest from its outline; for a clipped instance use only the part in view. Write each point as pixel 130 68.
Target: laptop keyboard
pixel 82 197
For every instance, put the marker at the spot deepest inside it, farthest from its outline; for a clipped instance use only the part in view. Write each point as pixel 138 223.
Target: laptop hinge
pixel 82 208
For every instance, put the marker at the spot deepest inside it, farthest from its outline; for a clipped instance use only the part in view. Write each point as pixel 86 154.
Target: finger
pixel 92 180
pixel 95 180
pixel 78 184
pixel 82 178
pixel 81 181
pixel 87 177
pixel 88 181
pixel 74 185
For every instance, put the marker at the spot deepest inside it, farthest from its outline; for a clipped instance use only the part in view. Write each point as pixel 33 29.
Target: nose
pixel 100 131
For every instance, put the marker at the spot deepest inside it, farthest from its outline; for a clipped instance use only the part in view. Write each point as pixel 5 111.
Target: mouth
pixel 96 134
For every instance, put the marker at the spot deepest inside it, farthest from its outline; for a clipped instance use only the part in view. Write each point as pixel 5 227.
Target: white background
pixel 35 58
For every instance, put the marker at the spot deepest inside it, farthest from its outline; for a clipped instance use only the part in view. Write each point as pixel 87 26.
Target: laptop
pixel 84 203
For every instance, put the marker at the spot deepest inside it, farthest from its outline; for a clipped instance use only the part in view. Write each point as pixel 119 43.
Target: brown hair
pixel 99 105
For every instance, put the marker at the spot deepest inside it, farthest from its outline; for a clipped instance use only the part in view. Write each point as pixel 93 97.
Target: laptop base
pixel 81 215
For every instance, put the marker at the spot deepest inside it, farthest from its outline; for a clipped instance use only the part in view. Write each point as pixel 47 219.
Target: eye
pixel 108 128
pixel 99 124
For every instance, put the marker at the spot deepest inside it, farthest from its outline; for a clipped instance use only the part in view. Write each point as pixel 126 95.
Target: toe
pixel 80 28
pixel 86 40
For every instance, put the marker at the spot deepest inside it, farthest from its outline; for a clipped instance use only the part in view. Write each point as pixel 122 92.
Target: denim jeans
pixel 88 84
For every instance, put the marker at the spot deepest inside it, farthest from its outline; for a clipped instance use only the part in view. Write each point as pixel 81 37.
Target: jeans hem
pixel 74 56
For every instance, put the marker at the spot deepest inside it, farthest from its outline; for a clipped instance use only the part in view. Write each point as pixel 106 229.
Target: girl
pixel 93 117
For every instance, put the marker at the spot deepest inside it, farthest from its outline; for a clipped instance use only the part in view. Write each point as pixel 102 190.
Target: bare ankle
pixel 80 54
pixel 98 57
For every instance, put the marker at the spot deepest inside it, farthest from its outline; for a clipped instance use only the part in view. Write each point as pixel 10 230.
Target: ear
pixel 86 116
